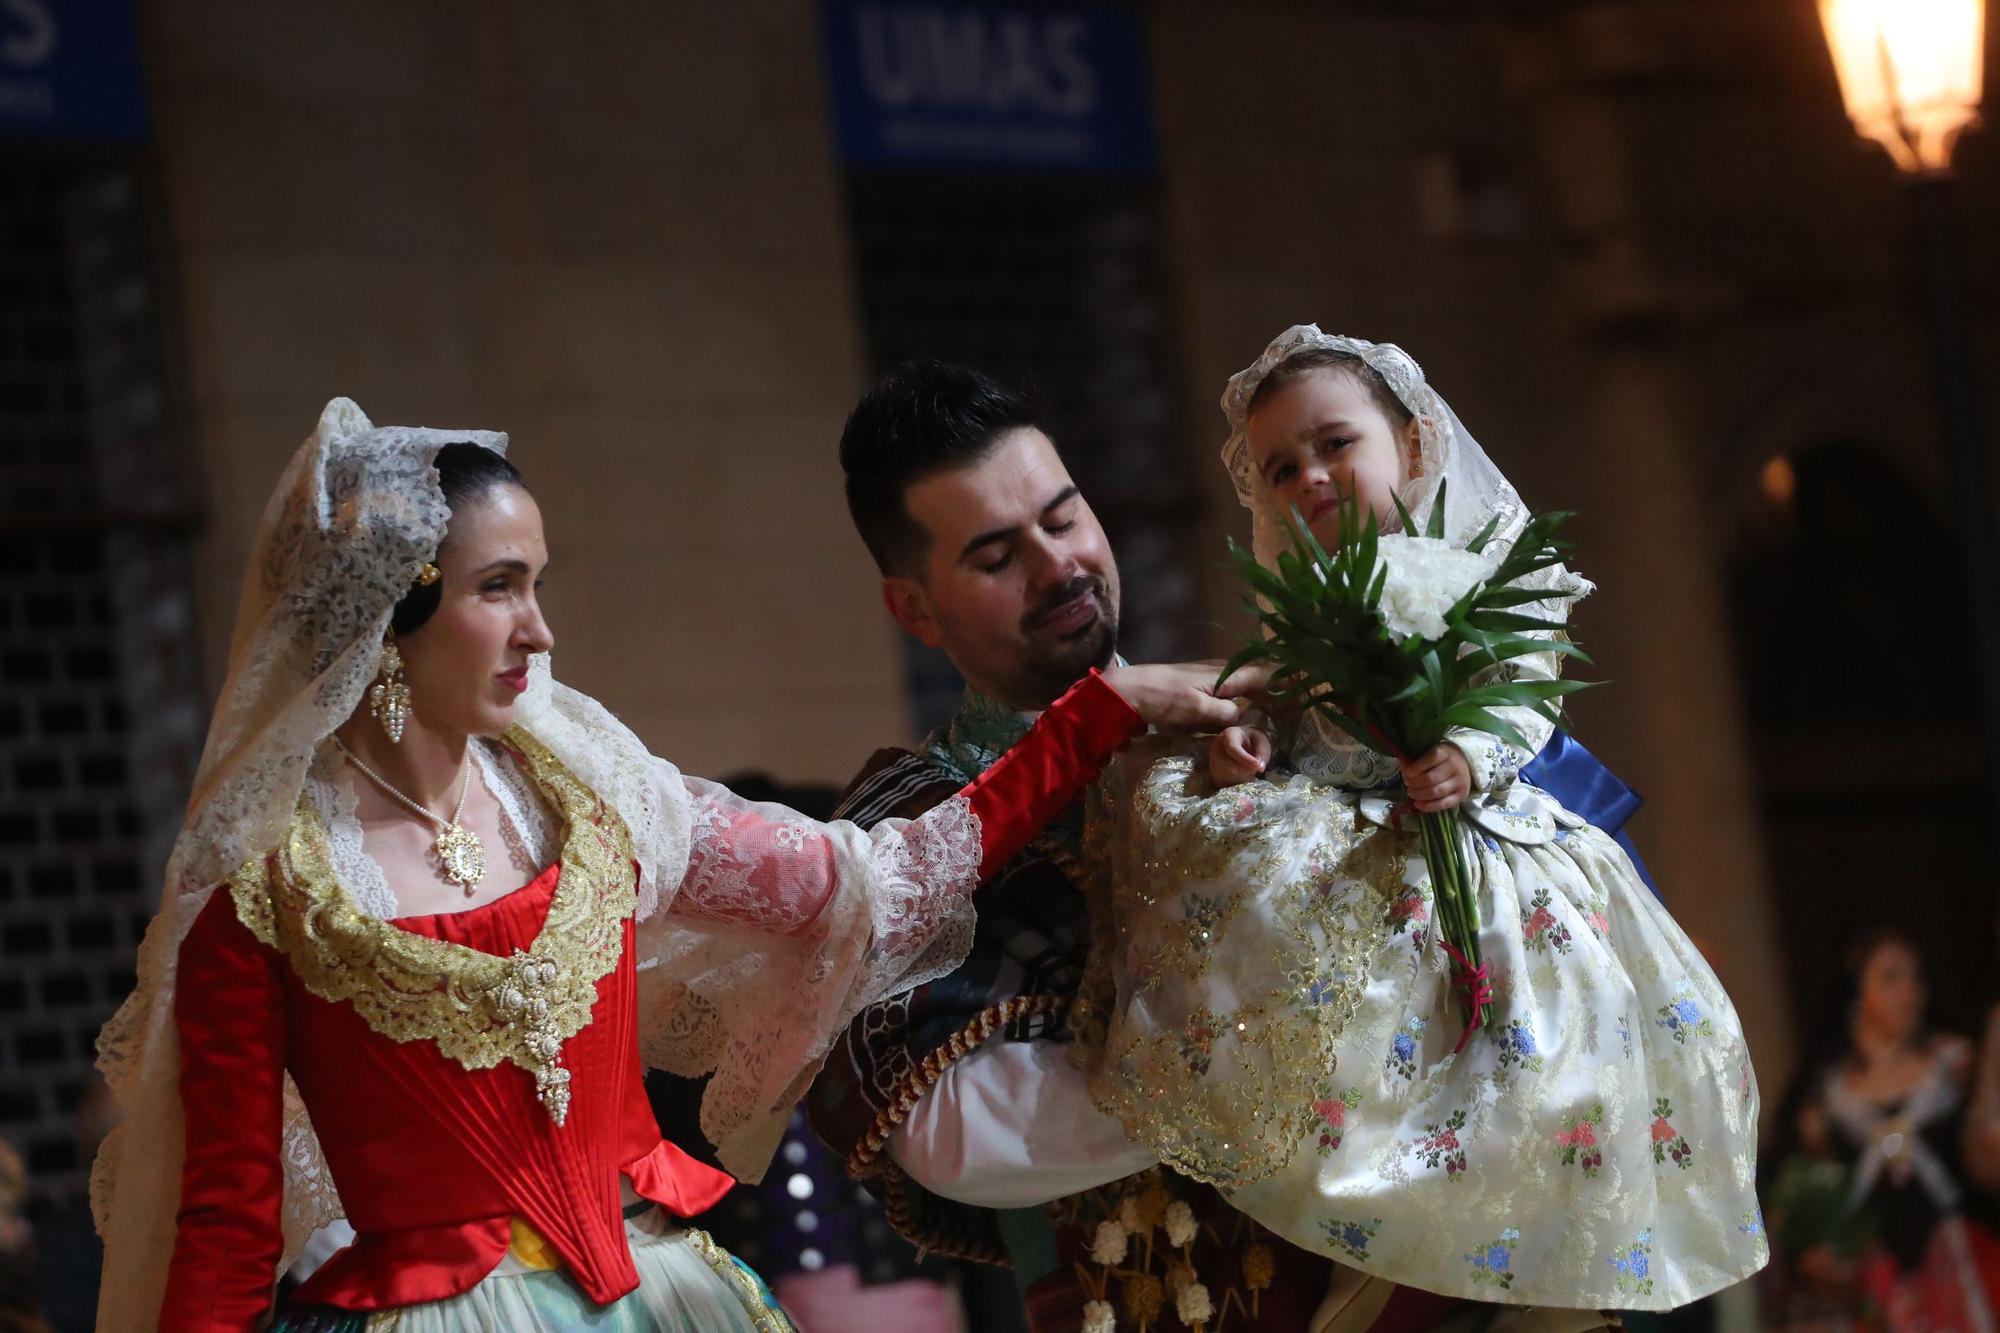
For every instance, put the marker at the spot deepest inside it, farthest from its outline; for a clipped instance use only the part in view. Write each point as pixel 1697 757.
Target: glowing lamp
pixel 1910 72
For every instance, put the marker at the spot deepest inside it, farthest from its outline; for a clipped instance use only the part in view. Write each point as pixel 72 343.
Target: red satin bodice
pixel 432 1158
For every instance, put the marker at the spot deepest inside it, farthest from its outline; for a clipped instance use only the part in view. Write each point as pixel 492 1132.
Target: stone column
pixel 1676 728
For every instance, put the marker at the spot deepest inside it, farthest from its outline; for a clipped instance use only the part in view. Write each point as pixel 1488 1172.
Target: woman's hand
pixel 1439 779
pixel 1238 754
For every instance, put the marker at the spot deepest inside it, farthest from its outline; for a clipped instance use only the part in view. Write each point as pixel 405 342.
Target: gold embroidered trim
pixel 767 1317
pixel 1184 861
pixel 480 1009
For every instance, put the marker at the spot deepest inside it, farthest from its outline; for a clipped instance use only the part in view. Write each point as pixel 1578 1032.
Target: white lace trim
pixel 760 1009
pixel 526 826
pixel 330 787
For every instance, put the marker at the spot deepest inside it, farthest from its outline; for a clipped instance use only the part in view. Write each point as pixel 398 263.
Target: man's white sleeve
pixel 1011 1125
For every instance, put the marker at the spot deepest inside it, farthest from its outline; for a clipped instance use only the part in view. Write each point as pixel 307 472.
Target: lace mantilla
pixel 1449 458
pixel 478 1008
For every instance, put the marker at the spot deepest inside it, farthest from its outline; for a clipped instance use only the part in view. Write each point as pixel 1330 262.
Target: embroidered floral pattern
pixel 1351 1238
pixel 1205 912
pixel 1667 1141
pixel 1541 931
pixel 1683 1018
pixel 1577 1140
pixel 1439 1145
pixel 1319 990
pixel 1624 1029
pixel 1403 1047
pixel 1634 1264
pixel 1517 1046
pixel 1493 1262
pixel 1329 1115
pixel 1197 1039
pixel 1411 913
pixel 1593 916
pixel 1752 1226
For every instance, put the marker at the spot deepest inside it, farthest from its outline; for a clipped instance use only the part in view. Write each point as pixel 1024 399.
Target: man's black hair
pixel 924 417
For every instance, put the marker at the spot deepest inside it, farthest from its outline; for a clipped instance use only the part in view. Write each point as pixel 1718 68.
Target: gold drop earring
pixel 389 700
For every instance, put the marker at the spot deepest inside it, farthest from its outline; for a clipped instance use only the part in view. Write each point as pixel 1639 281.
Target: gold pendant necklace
pixel 459 850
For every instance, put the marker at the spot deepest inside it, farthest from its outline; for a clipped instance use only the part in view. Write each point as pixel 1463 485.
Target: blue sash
pixel 1576 777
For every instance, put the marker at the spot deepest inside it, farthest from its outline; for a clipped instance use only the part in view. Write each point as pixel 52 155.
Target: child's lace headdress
pixel 1474 488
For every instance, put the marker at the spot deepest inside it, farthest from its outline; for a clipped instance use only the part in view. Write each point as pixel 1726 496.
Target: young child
pixel 1276 1013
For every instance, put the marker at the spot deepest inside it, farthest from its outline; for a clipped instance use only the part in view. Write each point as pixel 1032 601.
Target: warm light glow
pixel 1910 72
pixel 1778 480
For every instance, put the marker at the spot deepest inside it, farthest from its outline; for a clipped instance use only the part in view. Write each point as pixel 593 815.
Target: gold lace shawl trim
pixel 479 1008
pixel 1147 843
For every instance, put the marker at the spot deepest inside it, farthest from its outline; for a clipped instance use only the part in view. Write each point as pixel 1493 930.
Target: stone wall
pixel 616 236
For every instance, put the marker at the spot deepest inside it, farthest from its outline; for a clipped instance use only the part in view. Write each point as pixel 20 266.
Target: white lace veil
pixel 357 512
pixel 1474 488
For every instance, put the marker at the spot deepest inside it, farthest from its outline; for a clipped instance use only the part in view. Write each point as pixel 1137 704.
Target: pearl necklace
pixel 459 850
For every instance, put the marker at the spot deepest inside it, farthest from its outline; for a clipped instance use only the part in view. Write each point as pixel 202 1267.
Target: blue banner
pixel 932 84
pixel 69 69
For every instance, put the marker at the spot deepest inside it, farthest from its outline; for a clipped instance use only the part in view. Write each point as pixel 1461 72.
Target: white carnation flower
pixel 1098 1317
pixel 1180 1223
pixel 1107 1247
pixel 1193 1305
pixel 1425 578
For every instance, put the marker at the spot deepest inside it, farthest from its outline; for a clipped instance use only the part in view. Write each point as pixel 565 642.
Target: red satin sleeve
pixel 229 1005
pixel 1049 767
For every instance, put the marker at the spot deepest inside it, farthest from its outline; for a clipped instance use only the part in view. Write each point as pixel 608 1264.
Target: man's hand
pixel 1183 696
pixel 1438 779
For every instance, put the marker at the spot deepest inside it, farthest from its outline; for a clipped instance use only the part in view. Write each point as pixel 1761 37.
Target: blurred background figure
pixel 1868 1206
pixel 70 1253
pixel 20 1294
pixel 1982 1119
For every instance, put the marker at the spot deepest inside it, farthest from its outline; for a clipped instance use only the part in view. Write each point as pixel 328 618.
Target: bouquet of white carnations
pixel 1396 638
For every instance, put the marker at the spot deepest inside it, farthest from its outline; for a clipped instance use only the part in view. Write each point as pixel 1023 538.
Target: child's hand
pixel 1237 754
pixel 1437 780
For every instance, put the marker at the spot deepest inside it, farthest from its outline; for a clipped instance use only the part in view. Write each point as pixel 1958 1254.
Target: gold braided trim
pixel 767 1317
pixel 867 1158
pixel 899 1207
pixel 913 1085
pixel 480 1009
pixel 974 1034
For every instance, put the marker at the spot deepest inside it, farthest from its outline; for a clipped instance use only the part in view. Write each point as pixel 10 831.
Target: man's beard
pixel 1050 669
